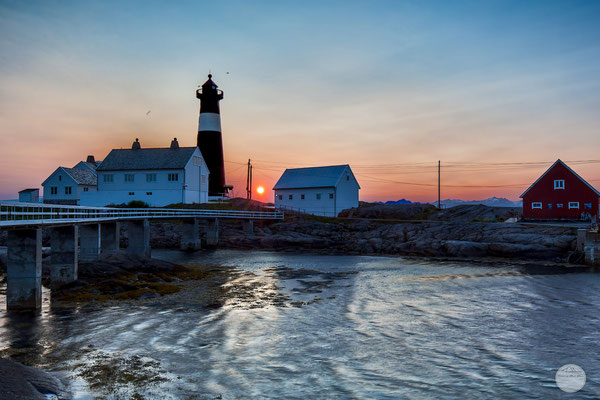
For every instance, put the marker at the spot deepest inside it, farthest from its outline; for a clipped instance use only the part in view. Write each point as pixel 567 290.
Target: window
pixel 197 161
pixel 559 184
pixel 85 189
pixel 67 189
pixel 536 205
pixel 173 177
pixel 60 177
pixel 301 197
pixel 148 193
pixel 108 178
pixel 131 193
pixel 573 204
pixel 347 177
pixel 203 179
pixel 318 196
pixel 129 177
pixel 150 177
pixel 587 206
pixel 331 195
pixel 291 197
pixel 559 205
pixel 549 206
pixel 53 190
pixel 280 197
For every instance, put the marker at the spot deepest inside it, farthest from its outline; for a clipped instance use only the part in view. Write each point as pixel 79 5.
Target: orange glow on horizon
pixel 260 190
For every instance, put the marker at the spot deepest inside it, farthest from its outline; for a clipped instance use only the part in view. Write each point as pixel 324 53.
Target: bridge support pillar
pixel 190 235
pixel 24 269
pixel 212 232
pixel 138 234
pixel 109 237
pixel 63 255
pixel 89 242
pixel 592 248
pixel 248 226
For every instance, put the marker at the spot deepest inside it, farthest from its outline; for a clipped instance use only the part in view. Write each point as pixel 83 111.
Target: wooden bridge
pixel 83 233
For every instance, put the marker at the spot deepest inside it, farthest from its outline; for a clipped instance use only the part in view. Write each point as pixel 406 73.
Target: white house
pixel 66 185
pixel 157 176
pixel 317 190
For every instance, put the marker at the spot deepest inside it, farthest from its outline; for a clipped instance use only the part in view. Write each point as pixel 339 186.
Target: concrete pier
pixel 190 235
pixel 138 234
pixel 581 239
pixel 63 255
pixel 24 269
pixel 89 242
pixel 212 232
pixel 248 226
pixel 110 233
pixel 592 248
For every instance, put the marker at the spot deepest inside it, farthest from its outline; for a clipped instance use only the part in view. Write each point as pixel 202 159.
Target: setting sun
pixel 260 190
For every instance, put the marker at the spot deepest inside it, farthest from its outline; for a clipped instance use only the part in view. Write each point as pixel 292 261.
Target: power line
pixel 423 168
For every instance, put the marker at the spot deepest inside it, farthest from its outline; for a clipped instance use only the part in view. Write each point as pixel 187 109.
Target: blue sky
pixel 307 83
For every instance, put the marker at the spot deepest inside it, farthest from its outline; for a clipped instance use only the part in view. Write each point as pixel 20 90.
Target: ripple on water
pixel 315 326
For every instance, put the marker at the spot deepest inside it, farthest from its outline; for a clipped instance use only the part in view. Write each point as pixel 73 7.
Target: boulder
pixel 20 382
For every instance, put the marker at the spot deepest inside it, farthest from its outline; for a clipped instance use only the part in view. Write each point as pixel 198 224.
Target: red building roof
pixel 559 161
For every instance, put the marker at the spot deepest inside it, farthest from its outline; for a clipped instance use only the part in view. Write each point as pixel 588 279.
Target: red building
pixel 560 194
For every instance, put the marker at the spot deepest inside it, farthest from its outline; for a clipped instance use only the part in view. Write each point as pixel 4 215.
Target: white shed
pixel 317 190
pixel 29 195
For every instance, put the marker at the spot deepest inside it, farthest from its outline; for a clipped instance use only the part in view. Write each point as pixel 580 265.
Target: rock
pixel 148 295
pixel 456 238
pixel 458 248
pixel 20 382
pixel 376 244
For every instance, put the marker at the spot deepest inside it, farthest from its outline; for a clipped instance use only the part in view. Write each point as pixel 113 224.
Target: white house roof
pixel 559 161
pixel 84 164
pixel 146 159
pixel 312 177
pixel 79 175
pixel 82 176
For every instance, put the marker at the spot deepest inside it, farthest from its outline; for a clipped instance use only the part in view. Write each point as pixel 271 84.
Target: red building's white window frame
pixel 559 184
pixel 573 204
pixel 536 205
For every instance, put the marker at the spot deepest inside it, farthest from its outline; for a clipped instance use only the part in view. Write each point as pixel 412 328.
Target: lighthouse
pixel 210 139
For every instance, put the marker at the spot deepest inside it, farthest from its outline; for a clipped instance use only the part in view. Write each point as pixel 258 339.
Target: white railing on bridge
pixel 14 214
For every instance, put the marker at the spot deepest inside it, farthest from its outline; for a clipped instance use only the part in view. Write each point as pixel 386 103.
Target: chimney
pixel 91 159
pixel 136 145
pixel 174 144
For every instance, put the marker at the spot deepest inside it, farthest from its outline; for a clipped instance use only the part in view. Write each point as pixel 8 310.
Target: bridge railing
pixel 16 214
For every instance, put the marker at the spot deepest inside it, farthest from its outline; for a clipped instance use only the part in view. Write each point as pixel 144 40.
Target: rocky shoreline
pixel 367 237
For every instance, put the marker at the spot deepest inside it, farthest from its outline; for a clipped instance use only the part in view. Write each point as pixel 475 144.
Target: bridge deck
pixel 15 215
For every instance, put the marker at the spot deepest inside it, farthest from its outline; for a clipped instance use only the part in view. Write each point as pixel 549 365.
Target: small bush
pixel 131 204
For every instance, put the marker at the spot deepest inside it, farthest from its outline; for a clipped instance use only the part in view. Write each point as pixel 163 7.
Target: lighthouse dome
pixel 209 83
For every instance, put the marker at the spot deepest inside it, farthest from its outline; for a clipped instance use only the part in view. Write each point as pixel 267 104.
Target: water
pixel 342 327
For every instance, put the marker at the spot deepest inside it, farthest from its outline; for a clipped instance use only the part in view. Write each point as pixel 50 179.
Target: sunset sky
pixel 496 90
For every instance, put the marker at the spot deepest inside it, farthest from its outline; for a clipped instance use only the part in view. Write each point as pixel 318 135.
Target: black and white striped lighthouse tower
pixel 210 139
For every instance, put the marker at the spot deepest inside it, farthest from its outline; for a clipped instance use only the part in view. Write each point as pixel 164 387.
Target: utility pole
pixel 249 181
pixel 439 181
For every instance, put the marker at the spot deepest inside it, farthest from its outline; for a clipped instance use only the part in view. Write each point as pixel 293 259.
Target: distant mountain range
pixel 401 201
pixel 491 202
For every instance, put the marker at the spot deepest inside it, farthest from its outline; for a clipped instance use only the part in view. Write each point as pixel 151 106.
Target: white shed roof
pixel 312 177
